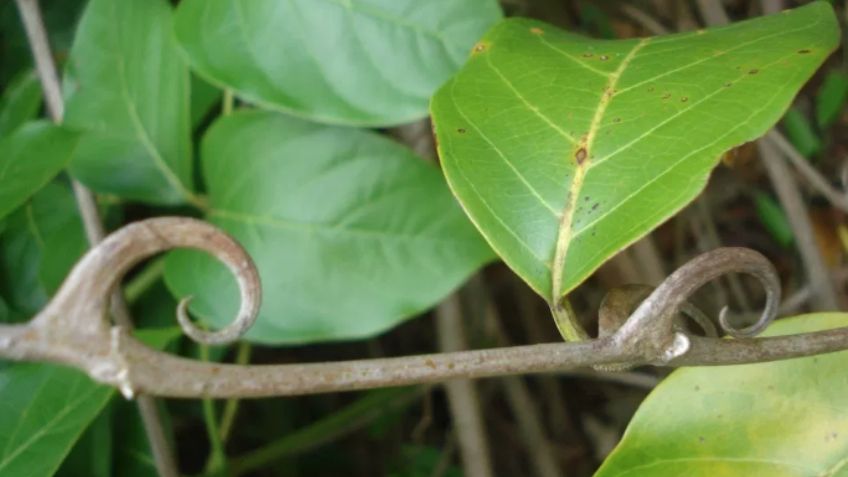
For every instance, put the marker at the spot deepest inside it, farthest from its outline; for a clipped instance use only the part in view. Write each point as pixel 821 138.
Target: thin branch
pixel 839 198
pixel 95 232
pixel 823 294
pixel 72 330
pixel 463 399
pixel 526 413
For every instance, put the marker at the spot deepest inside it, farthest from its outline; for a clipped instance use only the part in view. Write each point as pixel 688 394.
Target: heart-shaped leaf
pixel 351 232
pixel 565 149
pixel 129 91
pixel 784 418
pixel 31 156
pixel 362 62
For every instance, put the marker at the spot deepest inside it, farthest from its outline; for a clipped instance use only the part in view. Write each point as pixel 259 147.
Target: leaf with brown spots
pixel 637 125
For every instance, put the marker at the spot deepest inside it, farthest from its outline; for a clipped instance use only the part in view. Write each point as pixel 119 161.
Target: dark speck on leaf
pixel 666 96
pixel 587 198
pixel 595 206
pixel 684 99
pixel 588 55
pixel 461 130
pixel 650 89
pixel 616 120
pixel 728 84
pixel 803 52
pixel 701 439
pixel 580 155
pixel 753 71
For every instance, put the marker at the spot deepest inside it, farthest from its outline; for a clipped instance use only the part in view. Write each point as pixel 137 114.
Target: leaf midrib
pixel 565 230
pixel 141 132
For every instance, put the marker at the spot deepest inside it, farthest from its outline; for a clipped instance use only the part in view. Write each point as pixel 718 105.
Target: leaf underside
pixel 783 419
pixel 564 149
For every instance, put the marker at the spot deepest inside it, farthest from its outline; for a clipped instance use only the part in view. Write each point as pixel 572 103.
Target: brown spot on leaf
pixel 616 120
pixel 430 364
pixel 537 31
pixel 650 89
pixel 595 206
pixel 580 156
pixel 803 52
pixel 603 57
pixel 588 55
pixel 753 71
pixel 666 96
pixel 684 99
pixel 728 84
pixel 461 130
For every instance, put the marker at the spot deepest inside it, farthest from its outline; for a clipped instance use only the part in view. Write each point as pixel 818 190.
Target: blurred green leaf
pixel 423 461
pixel 32 155
pixel 20 102
pixel 203 97
pixel 43 240
pixel 43 410
pixel 831 97
pixel 353 62
pixel 784 418
pixel 800 133
pixel 129 91
pixel 596 20
pixel 773 218
pixel 351 232
pixel 565 149
pixel 91 456
pixel 132 454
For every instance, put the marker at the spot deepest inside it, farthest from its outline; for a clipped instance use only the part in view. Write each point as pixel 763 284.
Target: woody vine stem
pixel 73 330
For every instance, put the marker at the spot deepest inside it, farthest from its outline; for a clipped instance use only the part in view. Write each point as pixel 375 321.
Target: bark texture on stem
pixel 73 330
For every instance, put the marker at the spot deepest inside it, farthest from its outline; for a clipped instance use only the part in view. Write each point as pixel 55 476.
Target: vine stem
pixel 33 23
pixel 72 330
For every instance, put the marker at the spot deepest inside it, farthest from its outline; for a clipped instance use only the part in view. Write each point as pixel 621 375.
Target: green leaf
pixel 784 418
pixel 91 456
pixel 564 149
pixel 800 133
pixel 32 155
pixel 831 97
pixel 20 102
pixel 773 218
pixel 129 91
pixel 354 62
pixel 133 457
pixel 203 98
pixel 42 241
pixel 351 232
pixel 44 409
